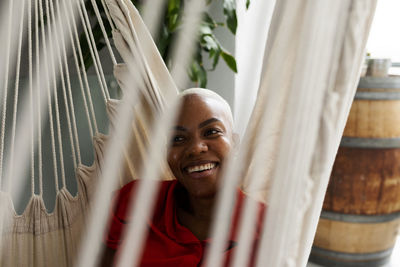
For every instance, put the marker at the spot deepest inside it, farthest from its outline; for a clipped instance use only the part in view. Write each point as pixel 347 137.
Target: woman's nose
pixel 197 146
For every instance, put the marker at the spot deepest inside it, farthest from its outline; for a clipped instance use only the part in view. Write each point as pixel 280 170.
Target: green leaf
pixel 209 43
pixel 173 4
pixel 202 77
pixel 209 21
pixel 230 15
pixel 205 29
pixel 229 60
pixel 193 72
pixel 173 14
pixel 215 54
pixel 247 4
pixel 173 19
pixel 197 73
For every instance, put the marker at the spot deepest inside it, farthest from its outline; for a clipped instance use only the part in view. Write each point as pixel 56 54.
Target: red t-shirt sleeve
pixel 118 215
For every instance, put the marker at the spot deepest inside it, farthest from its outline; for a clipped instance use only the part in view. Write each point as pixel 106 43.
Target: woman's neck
pixel 201 208
pixel 195 213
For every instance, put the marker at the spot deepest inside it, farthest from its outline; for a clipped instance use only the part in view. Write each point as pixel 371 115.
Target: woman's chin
pixel 202 192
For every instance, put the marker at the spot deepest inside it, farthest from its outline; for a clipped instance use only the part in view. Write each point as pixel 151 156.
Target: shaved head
pixel 212 95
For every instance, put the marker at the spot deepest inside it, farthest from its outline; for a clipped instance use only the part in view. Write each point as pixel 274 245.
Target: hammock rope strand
pixel 108 15
pixel 93 49
pixel 63 76
pixel 31 97
pixel 54 36
pixel 16 91
pixel 103 30
pixel 6 73
pixel 89 110
pixel 39 115
pixel 50 111
pixel 70 98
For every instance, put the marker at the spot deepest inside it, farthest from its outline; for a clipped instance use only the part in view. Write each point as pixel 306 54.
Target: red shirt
pixel 169 243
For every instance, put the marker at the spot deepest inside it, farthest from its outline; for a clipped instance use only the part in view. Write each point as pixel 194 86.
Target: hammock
pixel 313 55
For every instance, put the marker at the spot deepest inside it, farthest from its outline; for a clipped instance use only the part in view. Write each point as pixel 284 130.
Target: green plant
pixel 207 42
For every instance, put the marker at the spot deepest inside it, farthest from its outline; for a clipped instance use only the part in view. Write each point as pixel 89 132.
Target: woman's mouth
pixel 201 167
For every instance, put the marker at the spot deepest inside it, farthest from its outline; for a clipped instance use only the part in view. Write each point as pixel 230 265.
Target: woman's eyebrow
pixel 204 123
pixel 180 128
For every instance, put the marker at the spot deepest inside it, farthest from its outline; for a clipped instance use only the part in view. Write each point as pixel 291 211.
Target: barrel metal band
pixel 352 218
pixel 370 142
pixel 377 96
pixel 379 82
pixel 333 258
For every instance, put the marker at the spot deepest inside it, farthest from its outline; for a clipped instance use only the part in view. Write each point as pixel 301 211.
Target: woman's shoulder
pixel 122 197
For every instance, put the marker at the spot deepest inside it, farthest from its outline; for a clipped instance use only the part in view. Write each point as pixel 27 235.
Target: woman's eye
pixel 213 132
pixel 178 139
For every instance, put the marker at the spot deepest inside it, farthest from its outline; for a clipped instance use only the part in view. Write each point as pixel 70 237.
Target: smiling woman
pixel 201 141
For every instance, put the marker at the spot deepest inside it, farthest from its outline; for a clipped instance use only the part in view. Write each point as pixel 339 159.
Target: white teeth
pixel 200 168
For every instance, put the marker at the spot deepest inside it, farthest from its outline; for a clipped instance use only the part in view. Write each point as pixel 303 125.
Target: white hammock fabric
pixel 311 65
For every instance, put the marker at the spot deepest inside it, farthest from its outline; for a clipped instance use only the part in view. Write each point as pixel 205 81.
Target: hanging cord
pixel 108 15
pixel 103 30
pixel 53 150
pixel 40 156
pixel 31 97
pixel 71 102
pixel 53 35
pixel 67 110
pixel 78 69
pixel 93 49
pixel 82 64
pixel 6 73
pixel 16 92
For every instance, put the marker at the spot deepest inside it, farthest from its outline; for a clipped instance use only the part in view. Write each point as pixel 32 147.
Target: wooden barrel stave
pixel 356 237
pixel 374 118
pixel 364 181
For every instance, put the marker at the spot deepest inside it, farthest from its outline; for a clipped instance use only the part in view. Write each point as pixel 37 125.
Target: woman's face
pixel 201 140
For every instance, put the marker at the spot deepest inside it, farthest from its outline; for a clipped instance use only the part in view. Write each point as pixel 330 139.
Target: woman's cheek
pixel 174 157
pixel 173 160
pixel 227 145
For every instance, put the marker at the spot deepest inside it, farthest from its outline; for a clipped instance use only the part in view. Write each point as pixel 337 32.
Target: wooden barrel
pixel 361 211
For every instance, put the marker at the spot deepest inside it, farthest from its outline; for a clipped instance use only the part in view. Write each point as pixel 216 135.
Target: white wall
pixel 384 38
pixel 250 45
